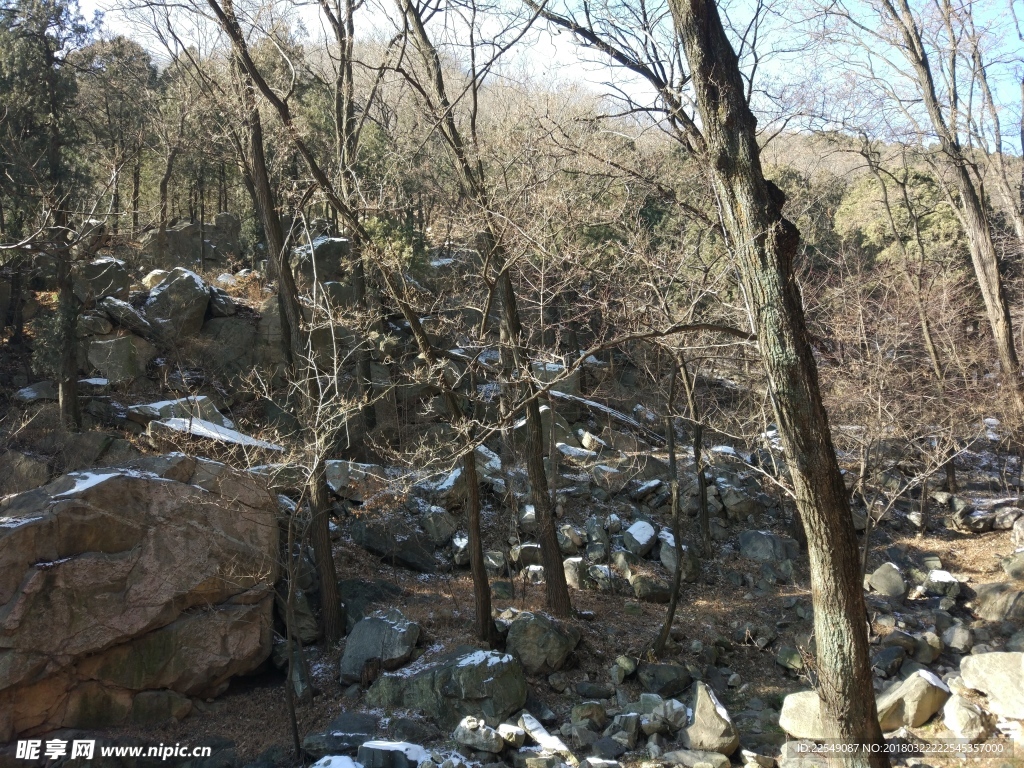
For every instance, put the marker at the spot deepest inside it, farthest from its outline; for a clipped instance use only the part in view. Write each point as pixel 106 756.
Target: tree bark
pixel 320 537
pixel 765 243
pixel 67 384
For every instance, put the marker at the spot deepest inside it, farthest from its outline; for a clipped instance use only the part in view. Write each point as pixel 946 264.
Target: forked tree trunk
pixel 765 243
pixel 556 587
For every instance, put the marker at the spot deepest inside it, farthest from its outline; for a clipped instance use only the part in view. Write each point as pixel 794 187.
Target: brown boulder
pixel 114 581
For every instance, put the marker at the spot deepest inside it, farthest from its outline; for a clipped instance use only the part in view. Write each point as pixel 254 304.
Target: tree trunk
pixel 136 190
pixel 116 199
pixel 481 586
pixel 765 243
pixel 320 536
pixel 164 182
pixel 67 384
pixel 677 575
pixel 511 336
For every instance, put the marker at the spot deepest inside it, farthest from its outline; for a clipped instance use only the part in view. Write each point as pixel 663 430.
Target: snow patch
pixel 414 752
pixel 641 531
pixel 489 658
pixel 337 761
pixel 207 429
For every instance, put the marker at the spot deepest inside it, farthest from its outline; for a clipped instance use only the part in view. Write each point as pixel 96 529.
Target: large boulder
pixel 666 680
pixel 100 278
pixel 768 547
pixel 117 581
pixel 1000 601
pixel 177 305
pixel 1000 676
pixel 912 702
pixel 197 407
pixel 965 720
pixel 396 543
pixel 540 643
pixel 324 260
pixel 639 538
pixel 801 715
pixel 387 637
pixel 22 472
pixel 486 684
pixel 712 729
pixel 231 343
pixel 354 481
pixel 122 359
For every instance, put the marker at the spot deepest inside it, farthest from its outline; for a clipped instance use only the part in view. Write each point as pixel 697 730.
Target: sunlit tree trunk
pixel 765 243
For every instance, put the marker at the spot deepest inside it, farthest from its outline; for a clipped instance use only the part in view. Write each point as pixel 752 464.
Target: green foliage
pixel 38 89
pixel 400 239
pixel 45 331
pixel 923 210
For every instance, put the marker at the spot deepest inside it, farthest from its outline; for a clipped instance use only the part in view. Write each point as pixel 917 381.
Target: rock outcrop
pixel 155 577
pixel 485 684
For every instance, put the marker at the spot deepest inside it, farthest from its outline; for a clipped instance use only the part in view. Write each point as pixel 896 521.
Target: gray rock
pixel 1013 565
pixel 712 729
pixel 888 581
pixel 439 525
pixel 125 315
pixel 476 734
pixel 789 657
pixel 666 680
pixel 1004 517
pixel 22 472
pixel 639 538
pixel 1017 532
pixel 395 544
pixel 322 261
pixel 513 735
pixel 650 589
pixel 199 407
pixel 801 715
pixel 100 278
pixel 999 601
pixel 343 736
pixel 221 305
pixel 541 644
pixel 122 359
pixel 768 547
pixel 495 563
pixel 93 324
pixel 888 661
pixel 965 720
pixel 484 684
pixel 958 638
pixel 1000 676
pixel 596 533
pixel 524 555
pixel 389 637
pixel 667 554
pixel 178 303
pixel 912 702
pixel 692 759
pixel 390 754
pixel 928 647
pixel 941 583
pixel 41 391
